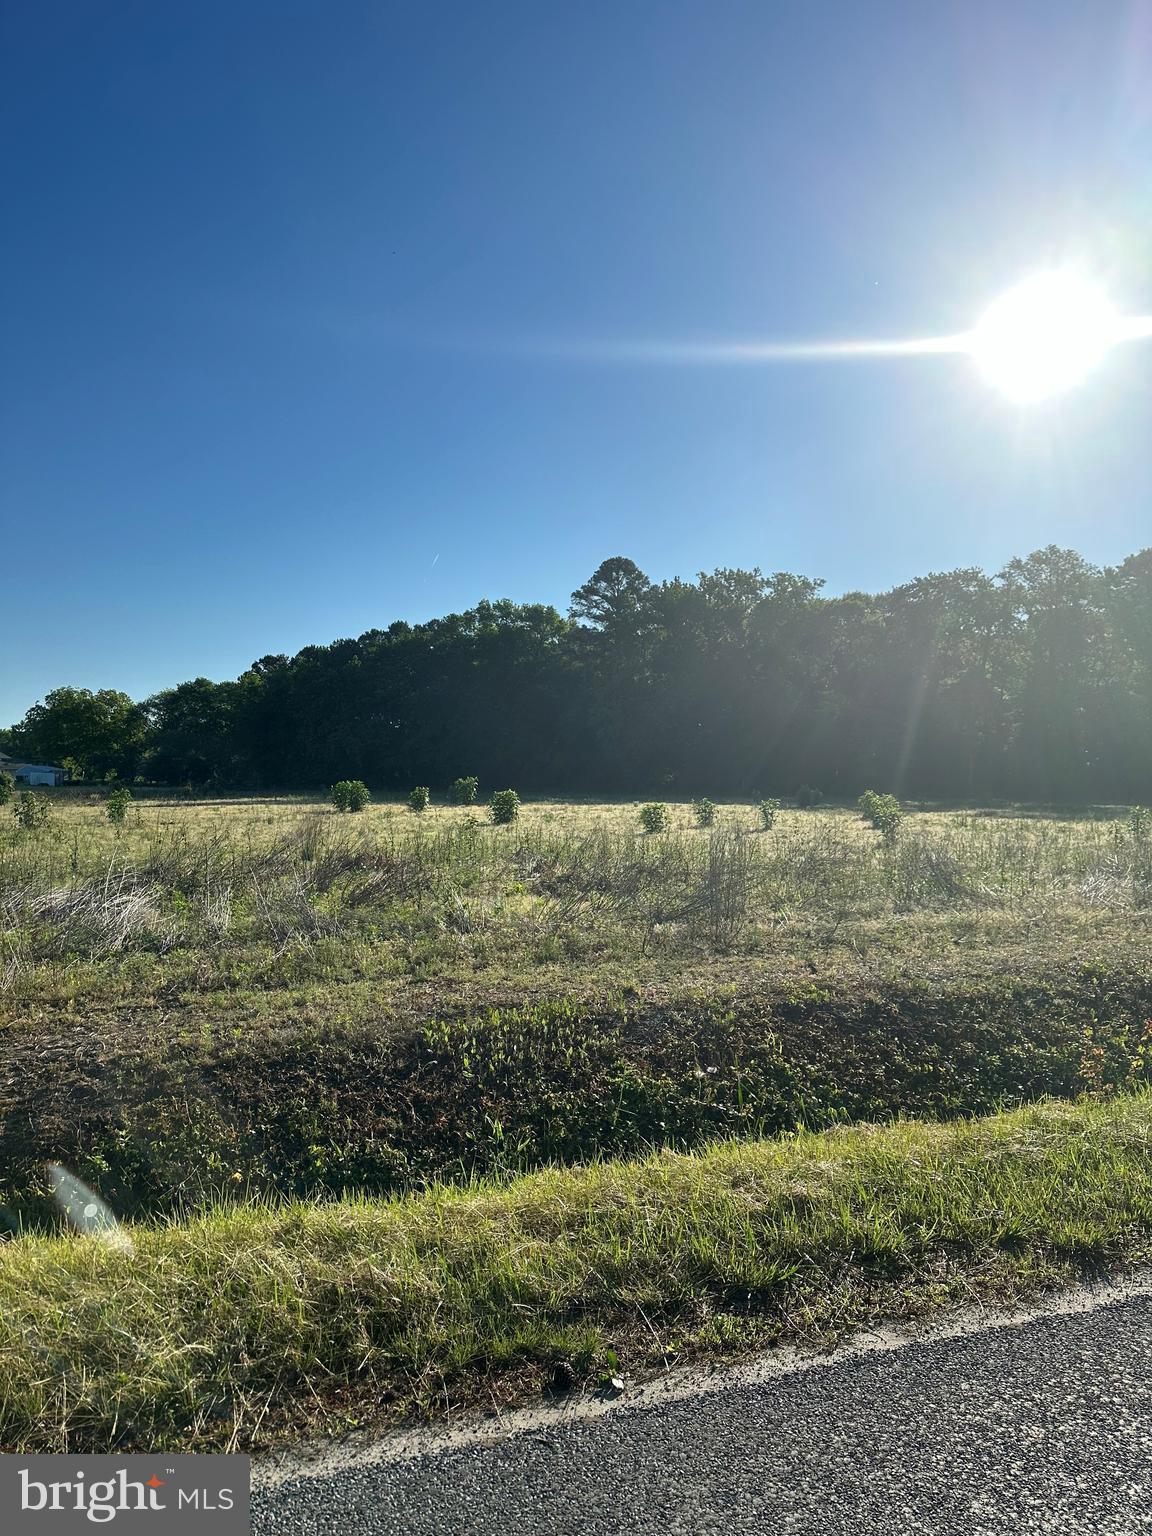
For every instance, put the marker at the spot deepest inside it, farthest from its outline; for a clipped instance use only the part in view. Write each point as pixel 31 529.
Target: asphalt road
pixel 1041 1427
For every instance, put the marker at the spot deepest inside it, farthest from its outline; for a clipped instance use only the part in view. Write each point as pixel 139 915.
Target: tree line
pixel 1034 683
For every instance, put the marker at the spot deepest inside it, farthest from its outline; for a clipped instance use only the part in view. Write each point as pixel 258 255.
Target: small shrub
pixel 807 797
pixel 7 787
pixel 419 798
pixel 504 807
pixel 350 795
pixel 116 806
pixel 768 809
pixel 655 817
pixel 464 791
pixel 867 803
pixel 1140 823
pixel 704 812
pixel 32 811
pixel 882 811
pixel 888 822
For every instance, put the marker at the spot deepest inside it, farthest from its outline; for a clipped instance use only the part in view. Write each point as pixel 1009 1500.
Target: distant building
pixel 33 774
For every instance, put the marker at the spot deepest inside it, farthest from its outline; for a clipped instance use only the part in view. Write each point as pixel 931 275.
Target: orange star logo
pixel 155 1482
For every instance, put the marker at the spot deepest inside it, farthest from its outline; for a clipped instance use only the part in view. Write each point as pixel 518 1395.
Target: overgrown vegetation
pixel 655 817
pixel 229 997
pixel 252 897
pixel 243 997
pixel 117 805
pixel 1035 682
pixel 883 812
pixel 350 795
pixel 229 1330
pixel 214 1009
pixel 33 812
pixel 508 1089
pixel 504 807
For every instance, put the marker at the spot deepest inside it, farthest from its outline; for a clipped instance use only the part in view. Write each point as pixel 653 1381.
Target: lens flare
pixel 1041 337
pixel 83 1208
pixel 1045 335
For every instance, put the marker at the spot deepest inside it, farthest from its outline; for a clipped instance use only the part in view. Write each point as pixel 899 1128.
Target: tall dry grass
pixel 189 877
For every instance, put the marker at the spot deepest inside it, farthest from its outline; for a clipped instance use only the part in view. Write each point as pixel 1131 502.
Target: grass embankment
pixel 246 1323
pixel 174 1124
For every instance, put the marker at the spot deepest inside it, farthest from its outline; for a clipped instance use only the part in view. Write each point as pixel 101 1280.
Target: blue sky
pixel 302 305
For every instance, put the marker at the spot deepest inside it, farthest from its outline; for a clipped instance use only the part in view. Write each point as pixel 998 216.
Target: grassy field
pixel 404 1108
pixel 248 1324
pixel 239 996
pixel 253 909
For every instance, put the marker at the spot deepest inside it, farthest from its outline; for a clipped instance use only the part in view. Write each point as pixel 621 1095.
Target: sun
pixel 1044 335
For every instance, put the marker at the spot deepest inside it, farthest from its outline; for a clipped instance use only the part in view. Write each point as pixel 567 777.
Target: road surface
pixel 1041 1426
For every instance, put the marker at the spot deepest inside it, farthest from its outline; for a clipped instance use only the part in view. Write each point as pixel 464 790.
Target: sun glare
pixel 1045 335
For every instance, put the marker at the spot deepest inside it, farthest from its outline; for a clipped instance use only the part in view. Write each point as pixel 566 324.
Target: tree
pixel 102 732
pixel 1062 661
pixel 349 795
pixel 1035 683
pixel 193 734
pixel 612 596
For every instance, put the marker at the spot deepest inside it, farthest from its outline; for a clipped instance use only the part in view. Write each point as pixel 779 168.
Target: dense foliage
pixel 464 791
pixel 349 795
pixel 655 817
pixel 116 806
pixel 504 807
pixel 1036 683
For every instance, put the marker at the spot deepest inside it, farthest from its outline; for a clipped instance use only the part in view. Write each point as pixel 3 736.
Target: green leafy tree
pixel 419 798
pixel 882 811
pixel 350 795
pixel 704 811
pixel 196 735
pixel 1035 682
pixel 103 732
pixel 7 786
pixel 613 596
pixel 504 807
pixel 464 791
pixel 655 817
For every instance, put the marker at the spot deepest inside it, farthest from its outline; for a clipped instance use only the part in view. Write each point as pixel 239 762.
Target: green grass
pixel 231 1005
pixel 283 906
pixel 266 995
pixel 163 1124
pixel 237 1327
